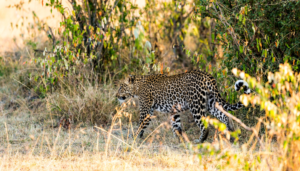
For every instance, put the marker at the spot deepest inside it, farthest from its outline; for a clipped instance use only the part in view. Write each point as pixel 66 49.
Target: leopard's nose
pixel 122 98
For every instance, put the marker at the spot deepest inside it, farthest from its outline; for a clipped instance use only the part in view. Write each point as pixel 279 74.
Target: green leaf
pixel 222 127
pixel 266 53
pixel 240 17
pixel 241 49
pixel 285 144
pixel 148 60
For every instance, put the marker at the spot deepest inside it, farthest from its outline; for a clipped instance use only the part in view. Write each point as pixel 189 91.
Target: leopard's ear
pixel 126 81
pixel 131 79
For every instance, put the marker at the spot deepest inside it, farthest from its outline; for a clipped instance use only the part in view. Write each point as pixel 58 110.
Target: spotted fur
pixel 195 91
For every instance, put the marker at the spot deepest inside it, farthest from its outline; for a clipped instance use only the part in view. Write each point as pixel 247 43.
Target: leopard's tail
pixel 241 83
pixel 237 86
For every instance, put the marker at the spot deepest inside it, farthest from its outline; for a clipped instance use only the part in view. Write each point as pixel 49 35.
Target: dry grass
pixel 28 145
pixel 30 138
pixel 29 142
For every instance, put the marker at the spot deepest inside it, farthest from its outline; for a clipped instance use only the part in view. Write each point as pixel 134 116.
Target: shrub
pixel 256 35
pixel 280 99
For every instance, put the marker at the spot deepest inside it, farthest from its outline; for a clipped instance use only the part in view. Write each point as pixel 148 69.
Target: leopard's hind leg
pixel 211 102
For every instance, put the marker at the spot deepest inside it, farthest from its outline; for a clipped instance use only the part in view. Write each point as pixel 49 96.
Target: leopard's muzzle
pixel 121 98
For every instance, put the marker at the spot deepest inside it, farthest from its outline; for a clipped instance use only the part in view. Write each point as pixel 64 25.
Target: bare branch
pixel 184 18
pixel 240 122
pixel 105 29
pixel 227 25
pixel 53 37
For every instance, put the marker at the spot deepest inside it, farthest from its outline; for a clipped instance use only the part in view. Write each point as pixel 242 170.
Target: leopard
pixel 194 90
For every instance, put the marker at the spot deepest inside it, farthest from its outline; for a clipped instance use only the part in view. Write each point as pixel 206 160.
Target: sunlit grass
pixel 32 139
pixel 28 141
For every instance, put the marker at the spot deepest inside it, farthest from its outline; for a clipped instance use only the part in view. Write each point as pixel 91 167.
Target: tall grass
pixel 102 133
pixel 29 144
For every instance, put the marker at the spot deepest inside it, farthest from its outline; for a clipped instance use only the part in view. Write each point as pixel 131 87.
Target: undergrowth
pixel 58 106
pixel 101 129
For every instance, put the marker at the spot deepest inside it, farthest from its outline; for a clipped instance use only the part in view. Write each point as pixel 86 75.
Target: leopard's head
pixel 127 89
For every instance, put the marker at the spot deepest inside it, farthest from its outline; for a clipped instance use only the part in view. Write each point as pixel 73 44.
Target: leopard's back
pixel 165 92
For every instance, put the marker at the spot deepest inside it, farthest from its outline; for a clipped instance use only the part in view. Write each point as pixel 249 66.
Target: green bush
pixel 279 99
pixel 256 35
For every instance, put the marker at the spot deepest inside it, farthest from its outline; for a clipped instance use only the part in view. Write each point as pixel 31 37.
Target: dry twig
pixel 240 122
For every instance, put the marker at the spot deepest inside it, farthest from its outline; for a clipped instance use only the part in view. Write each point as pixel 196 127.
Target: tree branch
pixel 227 25
pixel 53 37
pixel 253 130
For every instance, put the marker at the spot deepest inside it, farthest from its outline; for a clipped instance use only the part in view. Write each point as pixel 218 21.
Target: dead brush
pixel 88 104
pixel 126 134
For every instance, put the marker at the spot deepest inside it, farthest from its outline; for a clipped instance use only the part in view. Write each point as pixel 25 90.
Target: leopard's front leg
pixel 146 111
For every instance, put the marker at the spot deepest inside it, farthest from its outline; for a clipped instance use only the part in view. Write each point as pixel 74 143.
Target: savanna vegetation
pixel 57 97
